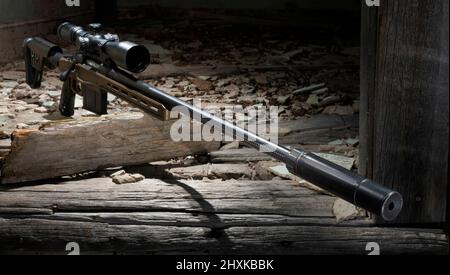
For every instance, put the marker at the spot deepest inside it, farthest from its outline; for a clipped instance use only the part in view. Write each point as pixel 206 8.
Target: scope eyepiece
pixel 69 32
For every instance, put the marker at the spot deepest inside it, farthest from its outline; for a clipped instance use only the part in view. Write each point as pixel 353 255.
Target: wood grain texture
pixel 405 134
pixel 74 146
pixel 190 217
pixel 238 156
pixel 369 46
pixel 39 236
pixel 101 194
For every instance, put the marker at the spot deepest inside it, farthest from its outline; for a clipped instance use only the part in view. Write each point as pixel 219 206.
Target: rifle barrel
pixel 343 183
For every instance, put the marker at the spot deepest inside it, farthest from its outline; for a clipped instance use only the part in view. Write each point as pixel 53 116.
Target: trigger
pixel 78 58
pixel 65 75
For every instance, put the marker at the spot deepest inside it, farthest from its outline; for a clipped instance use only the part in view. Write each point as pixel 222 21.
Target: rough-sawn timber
pixel 68 147
pixel 193 217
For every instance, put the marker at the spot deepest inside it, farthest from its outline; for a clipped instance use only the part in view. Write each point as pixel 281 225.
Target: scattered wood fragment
pixel 231 145
pixel 5 144
pixel 213 171
pixel 338 110
pixel 122 177
pixel 5 148
pixel 4 135
pixel 203 85
pixel 309 89
pixel 262 170
pixel 345 211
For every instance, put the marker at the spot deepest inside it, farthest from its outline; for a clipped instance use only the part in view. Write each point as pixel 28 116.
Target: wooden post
pixel 405 103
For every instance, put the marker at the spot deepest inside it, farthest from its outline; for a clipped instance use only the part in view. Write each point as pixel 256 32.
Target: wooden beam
pixel 193 217
pixel 72 146
pixel 280 197
pixel 405 103
pixel 38 235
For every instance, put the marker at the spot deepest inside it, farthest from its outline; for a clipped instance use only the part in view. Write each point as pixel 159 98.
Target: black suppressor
pixel 106 47
pixel 347 185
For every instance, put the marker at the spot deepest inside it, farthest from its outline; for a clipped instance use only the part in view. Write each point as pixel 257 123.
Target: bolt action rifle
pixel 103 64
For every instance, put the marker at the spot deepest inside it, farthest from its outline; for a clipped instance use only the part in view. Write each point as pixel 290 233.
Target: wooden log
pixel 73 146
pixel 192 217
pixel 405 104
pixel 209 196
pixel 50 237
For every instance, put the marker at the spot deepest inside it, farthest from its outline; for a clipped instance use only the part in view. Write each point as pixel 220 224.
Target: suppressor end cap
pixel 392 206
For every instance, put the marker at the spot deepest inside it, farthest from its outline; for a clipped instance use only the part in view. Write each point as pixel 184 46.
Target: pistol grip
pixel 67 100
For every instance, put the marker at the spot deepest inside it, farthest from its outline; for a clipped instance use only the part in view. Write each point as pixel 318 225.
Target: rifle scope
pixel 106 47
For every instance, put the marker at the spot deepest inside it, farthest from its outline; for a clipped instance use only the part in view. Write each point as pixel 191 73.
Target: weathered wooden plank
pixel 405 104
pixel 192 217
pixel 318 137
pixel 186 219
pixel 74 146
pixel 369 44
pixel 238 155
pixel 244 155
pixel 50 237
pixel 317 130
pixel 319 122
pixel 209 196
